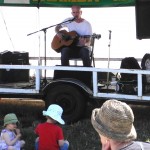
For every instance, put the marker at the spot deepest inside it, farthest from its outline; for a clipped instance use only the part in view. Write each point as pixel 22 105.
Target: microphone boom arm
pixel 44 29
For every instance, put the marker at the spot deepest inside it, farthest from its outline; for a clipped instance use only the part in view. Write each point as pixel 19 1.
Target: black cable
pixel 38 4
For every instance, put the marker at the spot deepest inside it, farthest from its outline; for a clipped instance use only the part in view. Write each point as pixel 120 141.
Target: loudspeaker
pixel 142 11
pixel 14 75
pixel 20 58
pixel 6 57
pixel 83 76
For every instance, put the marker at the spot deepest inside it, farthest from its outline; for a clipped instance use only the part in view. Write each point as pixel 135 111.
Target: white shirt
pixel 82 28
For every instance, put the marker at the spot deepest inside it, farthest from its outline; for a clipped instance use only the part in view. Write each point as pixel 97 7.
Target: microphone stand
pixel 108 57
pixel 45 30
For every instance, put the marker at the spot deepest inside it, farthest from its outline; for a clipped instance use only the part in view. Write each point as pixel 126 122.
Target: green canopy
pixel 67 3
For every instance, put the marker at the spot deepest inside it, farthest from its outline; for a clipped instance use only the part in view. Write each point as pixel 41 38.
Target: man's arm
pixel 85 41
pixel 57 28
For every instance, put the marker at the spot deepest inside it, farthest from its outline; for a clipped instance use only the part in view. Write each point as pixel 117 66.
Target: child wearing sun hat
pixel 114 124
pixel 10 135
pixel 50 135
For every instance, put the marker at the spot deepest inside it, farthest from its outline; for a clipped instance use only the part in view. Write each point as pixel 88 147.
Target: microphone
pixel 110 34
pixel 72 19
pixel 68 20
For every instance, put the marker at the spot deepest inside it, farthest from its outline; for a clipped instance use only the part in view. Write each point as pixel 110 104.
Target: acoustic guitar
pixel 68 39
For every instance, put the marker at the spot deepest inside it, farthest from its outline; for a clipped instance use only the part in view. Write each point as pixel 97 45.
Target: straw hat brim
pixel 102 129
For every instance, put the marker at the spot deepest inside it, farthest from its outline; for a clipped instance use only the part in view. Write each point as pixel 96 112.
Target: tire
pixel 70 99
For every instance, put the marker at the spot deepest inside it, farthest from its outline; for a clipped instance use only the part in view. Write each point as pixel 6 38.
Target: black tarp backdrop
pixel 142 9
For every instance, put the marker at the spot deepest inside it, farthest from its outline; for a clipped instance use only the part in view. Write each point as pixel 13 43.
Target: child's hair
pixel 48 117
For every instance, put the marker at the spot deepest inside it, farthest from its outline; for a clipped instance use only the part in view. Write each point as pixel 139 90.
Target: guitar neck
pixel 97 36
pixel 85 36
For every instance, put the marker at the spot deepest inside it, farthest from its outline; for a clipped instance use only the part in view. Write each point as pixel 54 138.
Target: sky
pixel 17 22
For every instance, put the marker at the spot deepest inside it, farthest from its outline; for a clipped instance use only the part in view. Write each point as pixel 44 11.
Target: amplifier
pixel 6 57
pixel 20 58
pixel 14 75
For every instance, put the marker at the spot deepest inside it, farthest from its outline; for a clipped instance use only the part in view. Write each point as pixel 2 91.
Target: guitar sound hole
pixel 66 37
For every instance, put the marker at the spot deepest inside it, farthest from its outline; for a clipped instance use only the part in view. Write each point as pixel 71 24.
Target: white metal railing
pixel 96 92
pixel 96 59
pixel 139 95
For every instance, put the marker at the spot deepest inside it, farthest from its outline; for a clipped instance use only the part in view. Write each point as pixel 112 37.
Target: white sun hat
pixel 55 112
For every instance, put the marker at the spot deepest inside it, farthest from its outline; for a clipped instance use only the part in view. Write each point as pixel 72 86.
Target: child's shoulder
pixel 4 131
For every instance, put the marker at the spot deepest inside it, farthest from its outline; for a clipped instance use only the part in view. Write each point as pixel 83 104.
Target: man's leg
pixel 85 56
pixel 65 56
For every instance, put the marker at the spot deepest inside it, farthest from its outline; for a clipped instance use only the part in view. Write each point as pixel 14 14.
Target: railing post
pixel 95 88
pixel 140 89
pixel 37 79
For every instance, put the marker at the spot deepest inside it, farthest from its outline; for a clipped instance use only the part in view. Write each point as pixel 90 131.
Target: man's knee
pixel 64 50
pixel 84 52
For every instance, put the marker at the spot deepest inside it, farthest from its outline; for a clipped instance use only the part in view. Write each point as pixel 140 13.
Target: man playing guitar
pixel 81 47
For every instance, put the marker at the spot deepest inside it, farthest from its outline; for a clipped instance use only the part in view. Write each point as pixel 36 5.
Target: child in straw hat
pixel 10 135
pixel 50 135
pixel 114 124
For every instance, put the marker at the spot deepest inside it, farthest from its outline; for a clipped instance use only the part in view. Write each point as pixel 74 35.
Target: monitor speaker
pixel 142 11
pixel 84 77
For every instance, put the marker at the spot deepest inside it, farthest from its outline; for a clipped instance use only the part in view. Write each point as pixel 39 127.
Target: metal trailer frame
pixel 95 92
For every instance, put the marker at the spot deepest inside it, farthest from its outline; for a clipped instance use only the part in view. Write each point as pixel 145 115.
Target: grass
pixel 81 134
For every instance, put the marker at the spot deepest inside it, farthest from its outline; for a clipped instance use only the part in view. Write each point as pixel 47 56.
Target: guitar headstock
pixel 97 36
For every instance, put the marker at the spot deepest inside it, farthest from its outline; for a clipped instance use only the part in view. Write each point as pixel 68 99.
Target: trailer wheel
pixel 70 99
